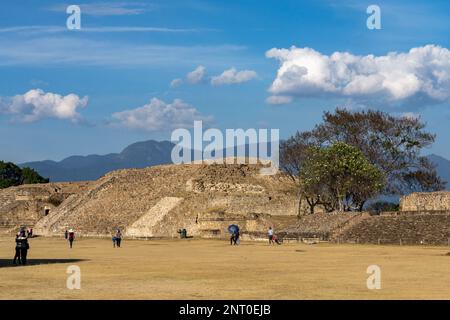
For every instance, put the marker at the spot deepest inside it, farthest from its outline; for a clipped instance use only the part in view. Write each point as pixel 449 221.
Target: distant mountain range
pixel 139 155
pixel 442 167
pixel 91 167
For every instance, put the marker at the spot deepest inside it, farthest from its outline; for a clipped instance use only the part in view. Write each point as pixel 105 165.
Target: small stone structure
pixel 26 204
pixel 426 201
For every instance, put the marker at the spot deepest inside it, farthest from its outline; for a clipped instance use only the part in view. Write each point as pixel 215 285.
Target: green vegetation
pixel 383 206
pixel 392 145
pixel 339 177
pixel 12 175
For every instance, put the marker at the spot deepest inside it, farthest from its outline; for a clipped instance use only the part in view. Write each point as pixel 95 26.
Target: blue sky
pixel 96 90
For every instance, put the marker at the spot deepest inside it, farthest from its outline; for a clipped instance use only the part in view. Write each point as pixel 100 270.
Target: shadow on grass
pixel 8 263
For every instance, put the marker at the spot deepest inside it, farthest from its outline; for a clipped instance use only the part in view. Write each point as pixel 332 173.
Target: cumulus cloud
pixel 196 76
pixel 232 76
pixel 158 115
pixel 37 104
pixel 176 83
pixel 420 76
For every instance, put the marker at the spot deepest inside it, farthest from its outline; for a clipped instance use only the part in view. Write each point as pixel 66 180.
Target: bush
pixel 383 206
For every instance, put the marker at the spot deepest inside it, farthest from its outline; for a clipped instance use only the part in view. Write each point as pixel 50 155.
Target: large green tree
pixel 392 144
pixel 339 177
pixel 12 175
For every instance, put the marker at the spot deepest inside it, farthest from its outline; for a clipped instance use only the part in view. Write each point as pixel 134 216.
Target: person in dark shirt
pixel 118 237
pixel 71 237
pixel 24 250
pixel 17 255
pixel 236 238
pixel 22 247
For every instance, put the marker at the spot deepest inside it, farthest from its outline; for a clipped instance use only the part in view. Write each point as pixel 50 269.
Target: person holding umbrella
pixel 234 230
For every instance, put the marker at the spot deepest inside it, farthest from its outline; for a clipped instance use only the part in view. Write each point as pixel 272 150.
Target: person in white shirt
pixel 270 234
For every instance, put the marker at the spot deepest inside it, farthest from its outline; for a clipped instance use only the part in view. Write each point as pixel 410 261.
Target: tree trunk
pixel 361 206
pixel 312 205
pixel 299 212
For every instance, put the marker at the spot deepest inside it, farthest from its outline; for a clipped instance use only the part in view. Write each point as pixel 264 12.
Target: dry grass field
pixel 211 269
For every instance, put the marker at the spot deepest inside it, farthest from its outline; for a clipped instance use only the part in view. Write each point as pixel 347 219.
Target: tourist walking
pixel 234 231
pixel 117 238
pixel 22 247
pixel 275 239
pixel 66 234
pixel 235 238
pixel 71 237
pixel 17 254
pixel 270 234
pixel 232 239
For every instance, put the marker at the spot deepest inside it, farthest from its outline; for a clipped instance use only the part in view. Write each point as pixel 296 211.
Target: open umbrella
pixel 233 228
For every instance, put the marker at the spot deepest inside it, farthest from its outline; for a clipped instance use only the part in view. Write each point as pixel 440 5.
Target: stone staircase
pixel 55 222
pixel 144 226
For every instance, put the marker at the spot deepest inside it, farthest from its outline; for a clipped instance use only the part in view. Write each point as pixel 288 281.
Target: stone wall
pixel 401 228
pixel 426 201
pixel 215 224
pixel 26 204
pixel 318 225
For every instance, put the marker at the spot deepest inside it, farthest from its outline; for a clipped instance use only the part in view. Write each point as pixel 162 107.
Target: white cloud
pixel 176 83
pixel 42 51
pixel 36 104
pixel 279 99
pixel 196 76
pixel 108 8
pixel 232 76
pixel 159 116
pixel 32 30
pixel 420 76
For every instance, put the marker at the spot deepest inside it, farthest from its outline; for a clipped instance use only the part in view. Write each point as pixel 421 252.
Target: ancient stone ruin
pixel 426 201
pixel 25 205
pixel 205 199
pixel 160 200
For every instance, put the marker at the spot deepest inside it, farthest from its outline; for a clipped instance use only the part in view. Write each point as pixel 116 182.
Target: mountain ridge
pixel 140 155
pixel 91 167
